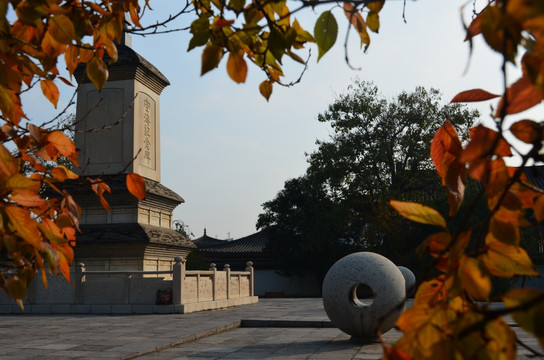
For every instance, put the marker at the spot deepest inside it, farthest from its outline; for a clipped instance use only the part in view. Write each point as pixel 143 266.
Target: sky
pixel 226 150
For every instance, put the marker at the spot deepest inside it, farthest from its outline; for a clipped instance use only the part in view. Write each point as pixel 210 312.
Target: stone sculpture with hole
pixel 362 318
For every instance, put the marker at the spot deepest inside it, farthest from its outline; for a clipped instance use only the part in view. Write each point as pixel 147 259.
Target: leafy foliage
pixel 446 308
pixel 378 150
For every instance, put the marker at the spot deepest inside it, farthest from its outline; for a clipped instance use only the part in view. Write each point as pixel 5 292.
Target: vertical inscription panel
pixel 148 153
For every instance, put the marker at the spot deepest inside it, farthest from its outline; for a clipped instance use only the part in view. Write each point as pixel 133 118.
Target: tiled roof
pixel 252 244
pixel 206 241
pixel 132 232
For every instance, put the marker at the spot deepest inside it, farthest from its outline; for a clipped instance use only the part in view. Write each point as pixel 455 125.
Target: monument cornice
pixel 129 66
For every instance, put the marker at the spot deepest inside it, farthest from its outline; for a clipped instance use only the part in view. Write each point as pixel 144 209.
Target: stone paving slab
pixel 205 335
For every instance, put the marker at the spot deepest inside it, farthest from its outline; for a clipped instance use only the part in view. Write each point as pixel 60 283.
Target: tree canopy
pixel 379 150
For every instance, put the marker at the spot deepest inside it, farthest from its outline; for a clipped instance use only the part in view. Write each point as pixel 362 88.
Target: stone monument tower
pixel 118 131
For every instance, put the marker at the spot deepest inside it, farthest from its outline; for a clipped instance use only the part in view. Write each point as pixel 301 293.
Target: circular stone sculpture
pixel 362 317
pixel 409 279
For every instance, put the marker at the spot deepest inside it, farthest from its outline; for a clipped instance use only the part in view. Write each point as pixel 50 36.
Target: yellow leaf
pixel 19 181
pixel 431 292
pixel 529 318
pixel 419 213
pixel 50 91
pixel 61 29
pixel 266 89
pixel 507 260
pixel 136 185
pixel 237 67
pixel 474 280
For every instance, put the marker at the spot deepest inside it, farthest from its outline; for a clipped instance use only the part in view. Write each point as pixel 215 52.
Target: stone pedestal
pixel 118 132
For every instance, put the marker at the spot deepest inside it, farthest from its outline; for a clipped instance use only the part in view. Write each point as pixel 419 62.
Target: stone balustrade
pixel 123 292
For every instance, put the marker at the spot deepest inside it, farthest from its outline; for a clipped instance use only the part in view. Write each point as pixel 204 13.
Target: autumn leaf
pixel 527 131
pixel 419 213
pixel 521 95
pixel 62 29
pixel 50 91
pixel 211 57
pixel 97 72
pixel 445 152
pixel 507 260
pixel 475 280
pixel 325 33
pixel 24 225
pixel 136 185
pixel 437 243
pixel 62 144
pixel 529 318
pixel 266 89
pixel 237 67
pixel 474 95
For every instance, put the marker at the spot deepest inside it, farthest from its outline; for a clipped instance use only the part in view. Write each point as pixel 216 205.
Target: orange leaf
pixel 28 199
pixel 445 150
pixel 134 15
pixel 527 131
pixel 237 67
pixel 8 165
pixel 354 17
pixel 437 243
pixel 62 144
pixel 496 177
pixel 136 185
pixel 484 143
pixel 474 95
pixel 24 225
pixel 474 280
pixel 51 47
pixel 396 354
pixel 521 96
pixel 539 209
pixel 418 213
pixel 97 72
pixel 50 91
pixel 475 27
pixel 61 173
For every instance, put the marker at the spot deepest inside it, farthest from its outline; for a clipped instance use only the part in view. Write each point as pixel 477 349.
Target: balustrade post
pixel 79 281
pixel 128 276
pixel 249 267
pixel 213 268
pixel 178 277
pixel 227 270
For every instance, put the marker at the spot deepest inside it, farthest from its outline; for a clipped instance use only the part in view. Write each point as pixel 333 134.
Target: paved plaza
pixel 270 329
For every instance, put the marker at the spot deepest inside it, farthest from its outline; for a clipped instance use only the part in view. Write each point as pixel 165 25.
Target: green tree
pixel 379 150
